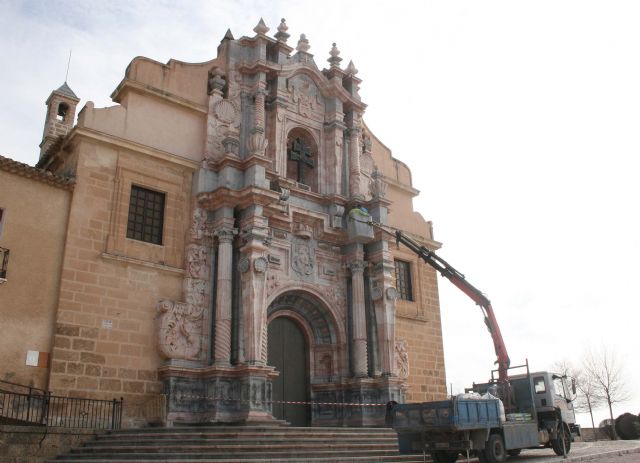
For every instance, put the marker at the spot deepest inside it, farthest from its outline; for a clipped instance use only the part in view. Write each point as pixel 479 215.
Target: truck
pixel 516 409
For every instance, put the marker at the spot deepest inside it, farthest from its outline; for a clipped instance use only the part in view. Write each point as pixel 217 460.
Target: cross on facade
pixel 301 154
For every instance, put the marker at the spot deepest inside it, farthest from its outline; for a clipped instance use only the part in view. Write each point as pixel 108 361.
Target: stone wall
pixel 33 444
pixel 105 340
pixel 418 324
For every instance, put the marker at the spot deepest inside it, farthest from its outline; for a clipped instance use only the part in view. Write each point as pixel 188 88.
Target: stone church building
pixel 218 250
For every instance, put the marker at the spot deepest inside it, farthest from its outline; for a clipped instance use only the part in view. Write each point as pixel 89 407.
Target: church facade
pixel 220 250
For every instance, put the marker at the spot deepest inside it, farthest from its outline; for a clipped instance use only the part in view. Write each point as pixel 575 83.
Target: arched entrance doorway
pixel 303 342
pixel 288 352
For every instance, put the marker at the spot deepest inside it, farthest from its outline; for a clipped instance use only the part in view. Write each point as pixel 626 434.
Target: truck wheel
pixel 444 457
pixel 494 450
pixel 563 434
pixel 514 452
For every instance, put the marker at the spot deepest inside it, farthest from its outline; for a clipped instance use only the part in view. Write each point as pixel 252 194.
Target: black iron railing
pixel 4 262
pixel 24 405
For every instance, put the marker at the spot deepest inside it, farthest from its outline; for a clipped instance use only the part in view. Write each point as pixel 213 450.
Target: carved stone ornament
pixel 260 265
pixel 377 187
pixel 357 266
pixel 179 330
pixel 225 111
pixel 303 230
pixel 198 223
pixel 243 264
pixel 195 291
pixel 304 94
pixel 197 261
pixel 226 235
pixel 303 257
pixel 392 294
pixel 257 142
pixel 376 293
pixel 402 359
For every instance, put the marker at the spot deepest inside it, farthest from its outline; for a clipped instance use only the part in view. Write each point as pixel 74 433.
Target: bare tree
pixel 606 371
pixel 588 398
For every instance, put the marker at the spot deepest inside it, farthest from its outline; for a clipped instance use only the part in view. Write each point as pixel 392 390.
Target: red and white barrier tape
pixel 287 402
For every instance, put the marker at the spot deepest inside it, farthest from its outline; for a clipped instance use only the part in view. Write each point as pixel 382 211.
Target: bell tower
pixel 61 111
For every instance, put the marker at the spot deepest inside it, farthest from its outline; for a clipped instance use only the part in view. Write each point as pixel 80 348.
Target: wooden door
pixel 287 352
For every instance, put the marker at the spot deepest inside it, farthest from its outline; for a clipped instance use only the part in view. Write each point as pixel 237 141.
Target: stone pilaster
pixel 359 335
pixel 257 143
pixel 253 267
pixel 384 302
pixel 353 133
pixel 222 352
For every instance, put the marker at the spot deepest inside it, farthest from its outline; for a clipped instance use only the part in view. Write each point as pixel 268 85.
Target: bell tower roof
pixel 66 91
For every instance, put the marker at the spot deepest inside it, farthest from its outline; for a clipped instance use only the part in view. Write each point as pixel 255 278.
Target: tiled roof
pixel 25 170
pixel 66 90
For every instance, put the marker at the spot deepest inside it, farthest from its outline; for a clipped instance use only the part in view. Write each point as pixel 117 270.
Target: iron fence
pixel 24 405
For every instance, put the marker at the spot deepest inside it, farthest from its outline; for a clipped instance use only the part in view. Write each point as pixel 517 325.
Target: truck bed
pixel 457 414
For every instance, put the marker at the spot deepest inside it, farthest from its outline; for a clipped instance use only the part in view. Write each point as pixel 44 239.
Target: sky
pixel 519 120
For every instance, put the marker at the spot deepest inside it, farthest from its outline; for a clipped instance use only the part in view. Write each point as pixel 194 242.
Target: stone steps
pixel 241 444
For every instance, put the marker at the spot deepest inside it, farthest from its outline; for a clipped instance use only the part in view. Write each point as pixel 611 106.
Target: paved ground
pixel 597 452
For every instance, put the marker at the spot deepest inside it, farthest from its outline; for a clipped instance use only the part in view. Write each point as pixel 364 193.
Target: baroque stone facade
pixel 263 160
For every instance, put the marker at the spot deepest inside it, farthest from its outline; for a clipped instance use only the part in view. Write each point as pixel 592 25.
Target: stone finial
pixel 351 68
pixel 303 44
pixel 334 59
pixel 228 36
pixel 215 82
pixel 282 35
pixel 261 28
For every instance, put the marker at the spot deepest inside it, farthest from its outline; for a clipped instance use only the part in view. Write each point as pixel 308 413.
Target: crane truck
pixel 495 419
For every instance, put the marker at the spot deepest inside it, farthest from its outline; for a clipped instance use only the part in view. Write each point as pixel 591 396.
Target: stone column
pixel 359 322
pixel 222 352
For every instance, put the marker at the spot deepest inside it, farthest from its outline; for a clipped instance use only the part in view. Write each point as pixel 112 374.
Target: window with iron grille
pixel 403 280
pixel 146 215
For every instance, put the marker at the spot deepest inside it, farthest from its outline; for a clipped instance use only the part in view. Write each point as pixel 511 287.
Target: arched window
pixel 302 158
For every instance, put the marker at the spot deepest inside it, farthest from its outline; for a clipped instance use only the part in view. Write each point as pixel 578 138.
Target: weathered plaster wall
pixel 35 220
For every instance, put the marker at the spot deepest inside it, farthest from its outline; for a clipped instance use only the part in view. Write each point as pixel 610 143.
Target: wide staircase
pixel 241 444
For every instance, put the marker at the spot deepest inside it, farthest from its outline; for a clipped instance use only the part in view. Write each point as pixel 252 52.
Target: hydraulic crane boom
pixel 474 293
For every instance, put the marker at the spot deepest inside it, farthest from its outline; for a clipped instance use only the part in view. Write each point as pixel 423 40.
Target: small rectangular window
pixel 146 215
pixel 1 220
pixel 403 280
pixel 539 386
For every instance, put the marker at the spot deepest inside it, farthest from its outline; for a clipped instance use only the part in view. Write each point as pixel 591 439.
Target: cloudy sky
pixel 519 120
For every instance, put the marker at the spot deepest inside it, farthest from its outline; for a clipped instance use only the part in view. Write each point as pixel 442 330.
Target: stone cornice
pixel 226 197
pixel 101 137
pixel 128 84
pixel 237 163
pixel 41 175
pixel 143 263
pixel 401 186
